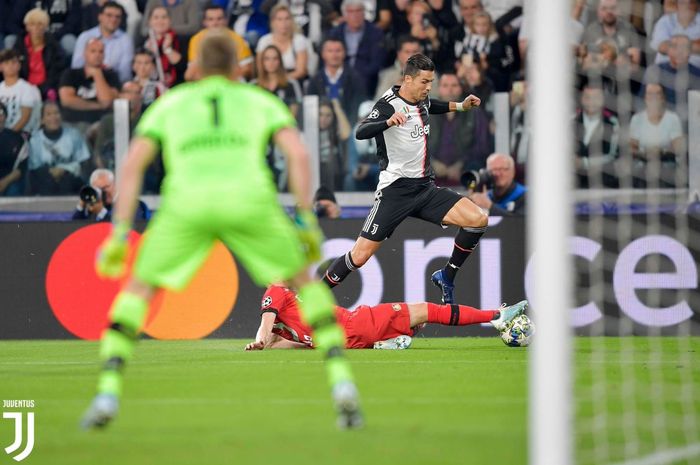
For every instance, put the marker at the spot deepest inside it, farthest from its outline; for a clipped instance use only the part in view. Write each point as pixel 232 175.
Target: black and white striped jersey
pixel 402 150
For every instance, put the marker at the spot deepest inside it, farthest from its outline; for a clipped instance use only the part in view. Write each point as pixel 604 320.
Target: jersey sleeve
pixel 278 114
pixel 375 123
pixel 152 122
pixel 273 300
pixel 438 107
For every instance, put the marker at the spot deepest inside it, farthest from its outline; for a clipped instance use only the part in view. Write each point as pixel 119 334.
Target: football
pixel 519 332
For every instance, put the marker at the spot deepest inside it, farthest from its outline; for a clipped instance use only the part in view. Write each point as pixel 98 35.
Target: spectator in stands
pixel 302 15
pixel 164 44
pixel 214 19
pixel 393 17
pixel 685 21
pixel 130 20
pixel 63 22
pixel 424 29
pixel 144 72
pixel 21 99
pixel 362 167
pixel 118 46
pixel 499 8
pixel 334 131
pixel 42 58
pixel 473 81
pixel 325 203
pixel 104 139
pixel 461 34
pixel 393 75
pixel 657 142
pixel 609 25
pixel 335 81
pixel 86 94
pixel 677 76
pixel 185 15
pixel 452 137
pixel 56 152
pixel 506 196
pixel 99 207
pixel 597 135
pixel 519 125
pixel 273 77
pixel 13 158
pixel 363 42
pixel 293 45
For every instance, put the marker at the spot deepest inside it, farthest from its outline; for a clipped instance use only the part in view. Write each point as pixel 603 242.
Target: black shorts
pixel 418 198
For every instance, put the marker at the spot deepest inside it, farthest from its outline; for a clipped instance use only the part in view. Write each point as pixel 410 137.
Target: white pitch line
pixel 666 456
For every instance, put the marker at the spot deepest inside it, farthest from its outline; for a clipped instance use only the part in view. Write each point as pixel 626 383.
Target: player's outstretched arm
pixel 439 106
pixel 264 336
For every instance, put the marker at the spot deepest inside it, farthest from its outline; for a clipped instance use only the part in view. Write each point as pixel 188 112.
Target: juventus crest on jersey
pixel 402 150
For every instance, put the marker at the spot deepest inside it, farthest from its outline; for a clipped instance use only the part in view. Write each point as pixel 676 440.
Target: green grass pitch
pixel 444 401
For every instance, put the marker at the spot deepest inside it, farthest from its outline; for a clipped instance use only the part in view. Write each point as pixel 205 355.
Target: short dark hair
pixel 417 63
pixel 332 39
pixel 111 4
pixel 213 6
pixel 406 39
pixel 145 51
pixel 9 54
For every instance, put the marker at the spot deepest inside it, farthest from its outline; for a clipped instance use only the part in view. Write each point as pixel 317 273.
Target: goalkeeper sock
pixel 117 346
pixel 459 315
pixel 466 240
pixel 339 270
pixel 318 309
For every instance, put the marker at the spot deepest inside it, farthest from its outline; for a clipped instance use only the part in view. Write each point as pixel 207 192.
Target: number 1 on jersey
pixel 215 110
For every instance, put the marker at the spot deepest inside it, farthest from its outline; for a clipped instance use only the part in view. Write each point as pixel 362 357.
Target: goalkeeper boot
pixel 508 314
pixel 395 343
pixel 103 409
pixel 446 286
pixel 347 403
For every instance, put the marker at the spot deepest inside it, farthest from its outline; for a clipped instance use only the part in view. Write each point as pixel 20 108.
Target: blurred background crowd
pixel 64 62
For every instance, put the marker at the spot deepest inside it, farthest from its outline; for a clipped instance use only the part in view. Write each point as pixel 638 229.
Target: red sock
pixel 458 315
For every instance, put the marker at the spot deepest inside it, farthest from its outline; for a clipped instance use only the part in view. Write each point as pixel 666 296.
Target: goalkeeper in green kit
pixel 213 134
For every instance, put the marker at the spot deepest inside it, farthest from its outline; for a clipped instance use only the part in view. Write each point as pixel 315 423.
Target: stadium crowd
pixel 64 62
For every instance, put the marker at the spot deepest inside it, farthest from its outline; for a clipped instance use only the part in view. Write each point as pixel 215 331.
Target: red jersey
pixel 288 323
pixel 363 327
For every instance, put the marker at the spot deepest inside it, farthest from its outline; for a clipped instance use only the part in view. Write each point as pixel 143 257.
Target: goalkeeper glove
pixel 310 234
pixel 111 255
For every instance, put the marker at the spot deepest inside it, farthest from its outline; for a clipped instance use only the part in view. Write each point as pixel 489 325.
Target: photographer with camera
pixel 495 188
pixel 325 204
pixel 97 199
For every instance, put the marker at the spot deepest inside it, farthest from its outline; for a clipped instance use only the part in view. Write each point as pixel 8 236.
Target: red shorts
pixel 366 325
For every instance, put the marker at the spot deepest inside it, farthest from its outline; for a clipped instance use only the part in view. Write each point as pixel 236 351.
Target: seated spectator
pixel 363 166
pixel 421 20
pixel 334 131
pixel 685 21
pixel 21 99
pixel 325 204
pixel 393 75
pixel 130 21
pixel 144 75
pixel 56 152
pixel 164 44
pixel 363 42
pixel 677 76
pixel 13 159
pixel 302 15
pixel 64 20
pixel 185 15
pixel 87 93
pixel 657 143
pixel 293 45
pixel 215 19
pixel 248 20
pixel 104 139
pixel 98 206
pixel 337 82
pixel 473 81
pixel 272 77
pixel 118 46
pixel 597 135
pixel 506 196
pixel 452 138
pixel 609 25
pixel 42 59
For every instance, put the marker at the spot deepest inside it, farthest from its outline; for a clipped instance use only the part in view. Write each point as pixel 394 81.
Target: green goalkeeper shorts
pixel 261 237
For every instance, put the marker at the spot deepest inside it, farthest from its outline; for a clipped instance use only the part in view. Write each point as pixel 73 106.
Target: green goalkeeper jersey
pixel 214 135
